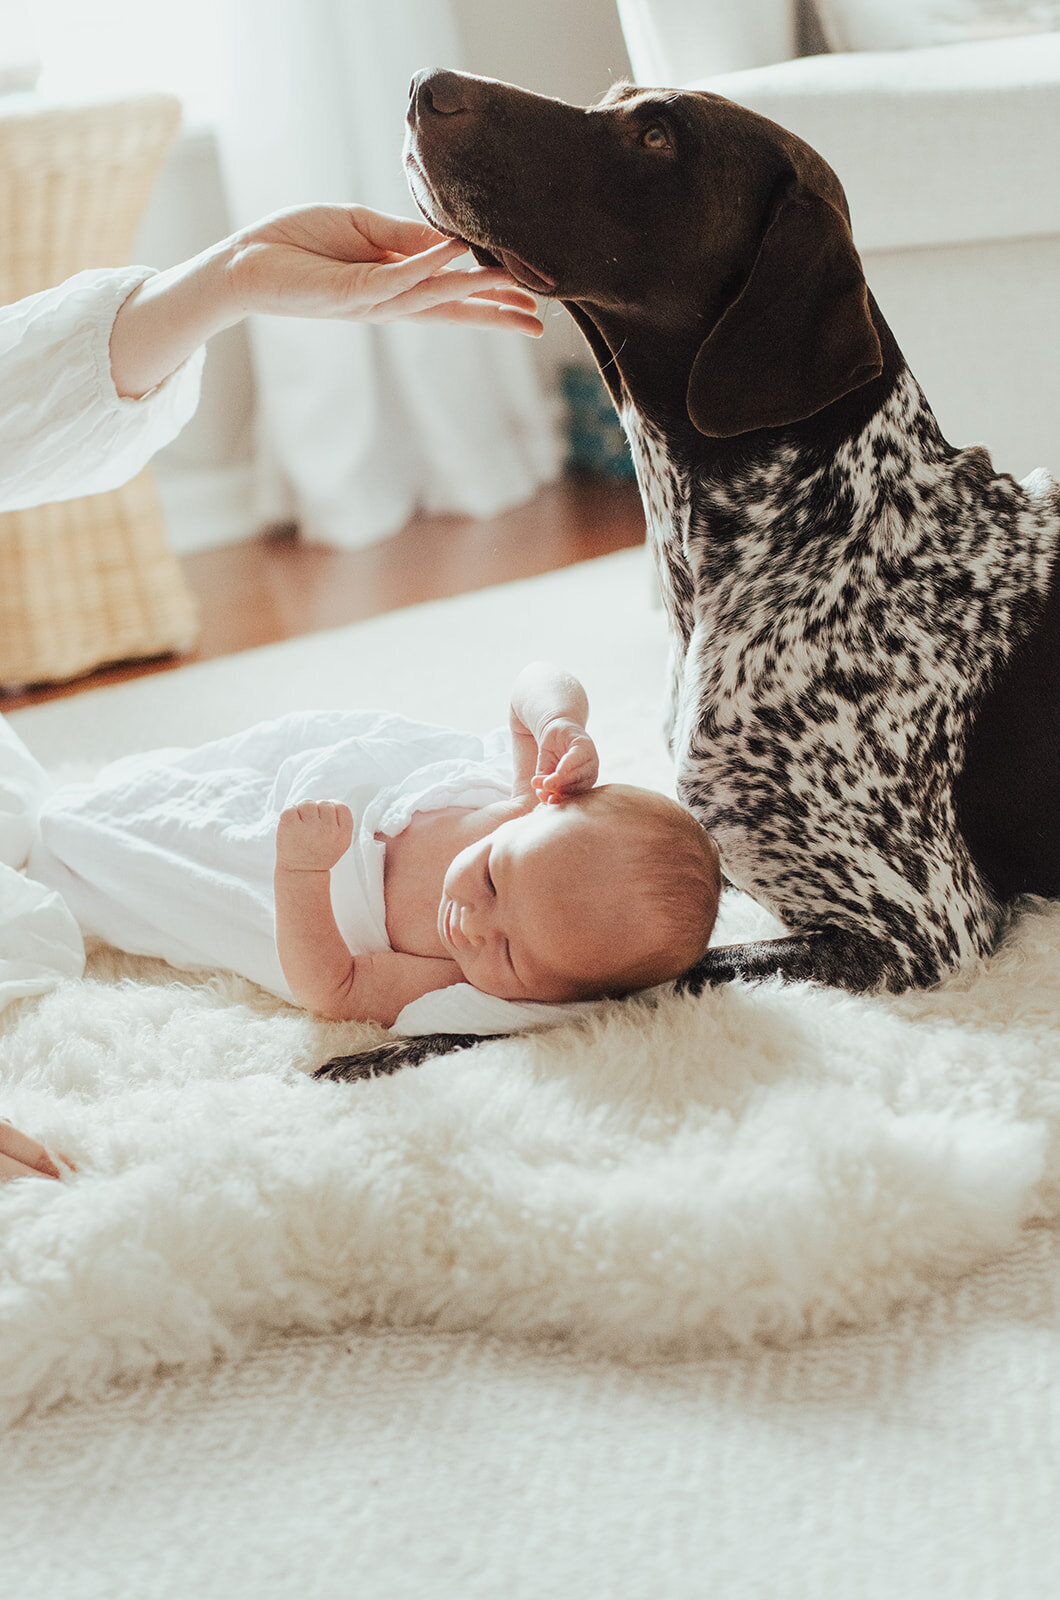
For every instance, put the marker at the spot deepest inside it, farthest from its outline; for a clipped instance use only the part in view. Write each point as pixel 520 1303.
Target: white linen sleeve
pixel 64 429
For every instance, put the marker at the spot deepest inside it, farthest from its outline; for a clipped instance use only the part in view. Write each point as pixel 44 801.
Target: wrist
pixel 557 719
pixel 214 285
pixel 169 316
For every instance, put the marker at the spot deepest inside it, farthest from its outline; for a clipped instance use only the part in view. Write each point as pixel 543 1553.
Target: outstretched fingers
pixel 410 287
pixel 479 295
pixel 400 271
pixel 481 314
pixel 400 236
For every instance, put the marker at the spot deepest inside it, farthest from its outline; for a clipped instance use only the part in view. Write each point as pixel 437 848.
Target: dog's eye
pixel 656 138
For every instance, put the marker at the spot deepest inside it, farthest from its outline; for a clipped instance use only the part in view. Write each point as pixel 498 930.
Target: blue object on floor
pixel 595 440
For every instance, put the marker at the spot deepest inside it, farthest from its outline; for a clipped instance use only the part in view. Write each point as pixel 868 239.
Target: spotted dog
pixel 864 621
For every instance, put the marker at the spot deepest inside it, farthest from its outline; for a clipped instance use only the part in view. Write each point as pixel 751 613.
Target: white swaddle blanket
pixel 171 853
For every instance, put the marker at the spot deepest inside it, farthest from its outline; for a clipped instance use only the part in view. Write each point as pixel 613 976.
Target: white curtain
pixel 361 425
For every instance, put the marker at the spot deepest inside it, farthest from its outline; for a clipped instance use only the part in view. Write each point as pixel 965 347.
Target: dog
pixel 864 704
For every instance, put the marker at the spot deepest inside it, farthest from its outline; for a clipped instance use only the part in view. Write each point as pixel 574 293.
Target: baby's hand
pixel 567 761
pixel 313 836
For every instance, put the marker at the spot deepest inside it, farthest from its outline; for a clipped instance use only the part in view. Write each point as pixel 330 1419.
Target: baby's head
pixel 607 892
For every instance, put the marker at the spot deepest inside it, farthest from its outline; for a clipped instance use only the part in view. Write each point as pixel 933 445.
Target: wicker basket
pixel 90 581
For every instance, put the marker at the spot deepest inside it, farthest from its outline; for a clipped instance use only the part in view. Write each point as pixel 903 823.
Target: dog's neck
pixel 787 493
pixel 646 369
pixel 873 445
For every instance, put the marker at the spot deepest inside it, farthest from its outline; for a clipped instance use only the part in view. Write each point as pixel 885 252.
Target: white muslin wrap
pixel 171 853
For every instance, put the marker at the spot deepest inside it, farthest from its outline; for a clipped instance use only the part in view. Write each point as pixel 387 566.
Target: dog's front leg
pixel 827 955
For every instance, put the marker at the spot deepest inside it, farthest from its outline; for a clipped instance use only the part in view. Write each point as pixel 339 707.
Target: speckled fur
pixel 833 625
pixel 865 622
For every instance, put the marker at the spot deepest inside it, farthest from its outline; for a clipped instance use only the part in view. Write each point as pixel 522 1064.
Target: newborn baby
pixel 561 891
pixel 355 861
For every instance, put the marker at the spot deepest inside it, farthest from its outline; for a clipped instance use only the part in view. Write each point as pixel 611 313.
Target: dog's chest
pixel 833 626
pixel 664 492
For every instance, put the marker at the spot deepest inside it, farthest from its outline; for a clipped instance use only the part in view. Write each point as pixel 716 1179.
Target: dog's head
pixel 673 222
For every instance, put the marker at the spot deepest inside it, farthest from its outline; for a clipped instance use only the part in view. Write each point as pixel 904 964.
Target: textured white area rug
pixel 914 1462
pixel 757 1165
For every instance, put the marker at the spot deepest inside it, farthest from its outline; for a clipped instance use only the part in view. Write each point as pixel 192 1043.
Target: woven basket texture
pixel 90 581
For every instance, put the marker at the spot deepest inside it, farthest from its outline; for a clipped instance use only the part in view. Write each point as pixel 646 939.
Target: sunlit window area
pixel 118 46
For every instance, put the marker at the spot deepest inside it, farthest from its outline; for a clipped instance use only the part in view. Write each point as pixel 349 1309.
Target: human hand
pixel 313 836
pixel 356 264
pixel 345 262
pixel 23 1157
pixel 567 761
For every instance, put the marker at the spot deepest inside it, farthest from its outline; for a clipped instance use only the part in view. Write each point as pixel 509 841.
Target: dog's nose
pixel 436 92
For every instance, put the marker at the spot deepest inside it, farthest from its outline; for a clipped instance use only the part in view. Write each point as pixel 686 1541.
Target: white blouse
pixel 64 429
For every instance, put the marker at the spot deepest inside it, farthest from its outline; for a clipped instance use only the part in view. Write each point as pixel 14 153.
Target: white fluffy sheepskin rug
pixel 756 1165
pixel 760 1164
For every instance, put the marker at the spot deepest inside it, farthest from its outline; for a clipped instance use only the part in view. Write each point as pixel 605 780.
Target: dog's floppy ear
pixel 799 333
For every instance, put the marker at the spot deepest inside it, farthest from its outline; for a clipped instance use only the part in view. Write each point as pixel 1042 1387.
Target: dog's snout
pixel 437 92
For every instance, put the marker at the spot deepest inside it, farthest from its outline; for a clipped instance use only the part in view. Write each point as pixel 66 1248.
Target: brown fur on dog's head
pixel 672 224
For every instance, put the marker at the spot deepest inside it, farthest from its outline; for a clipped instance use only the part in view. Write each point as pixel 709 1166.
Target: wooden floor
pixel 275 587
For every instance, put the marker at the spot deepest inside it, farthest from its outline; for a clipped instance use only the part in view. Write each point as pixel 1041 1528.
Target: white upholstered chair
pixel 950 156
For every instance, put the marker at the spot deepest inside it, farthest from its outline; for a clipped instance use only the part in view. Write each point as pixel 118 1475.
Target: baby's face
pixel 518 912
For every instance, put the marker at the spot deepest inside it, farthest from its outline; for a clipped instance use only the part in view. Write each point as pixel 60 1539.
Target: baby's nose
pixel 474 924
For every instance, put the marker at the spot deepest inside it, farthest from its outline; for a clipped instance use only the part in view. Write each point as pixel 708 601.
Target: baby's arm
pixel 553 755
pixel 321 973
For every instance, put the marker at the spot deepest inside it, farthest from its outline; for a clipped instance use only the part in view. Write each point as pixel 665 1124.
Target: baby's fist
pixel 313 836
pixel 567 761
